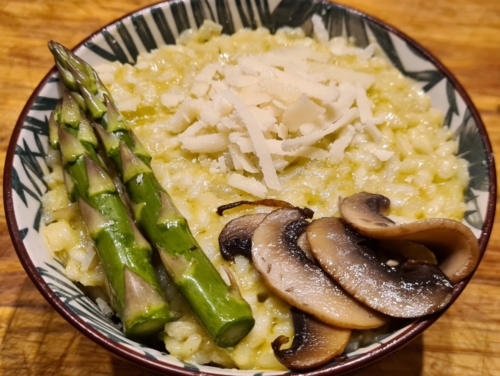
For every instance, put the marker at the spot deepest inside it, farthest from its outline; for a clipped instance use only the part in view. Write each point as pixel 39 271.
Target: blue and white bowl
pixel 161 24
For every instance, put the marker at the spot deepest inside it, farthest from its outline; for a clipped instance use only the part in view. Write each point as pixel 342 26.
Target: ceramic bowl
pixel 162 23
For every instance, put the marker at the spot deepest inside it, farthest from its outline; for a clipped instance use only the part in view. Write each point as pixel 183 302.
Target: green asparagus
pixel 125 254
pixel 220 309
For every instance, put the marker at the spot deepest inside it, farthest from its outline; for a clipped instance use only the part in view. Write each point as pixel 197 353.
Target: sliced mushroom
pixel 413 289
pixel 314 343
pixel 236 236
pixel 291 275
pixel 454 244
pixel 304 245
pixel 308 213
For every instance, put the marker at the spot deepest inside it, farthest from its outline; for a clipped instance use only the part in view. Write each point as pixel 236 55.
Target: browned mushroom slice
pixel 314 343
pixel 236 236
pixel 412 290
pixel 454 244
pixel 308 213
pixel 287 271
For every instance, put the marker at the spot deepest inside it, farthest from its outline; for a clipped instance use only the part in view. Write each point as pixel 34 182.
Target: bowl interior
pixel 162 24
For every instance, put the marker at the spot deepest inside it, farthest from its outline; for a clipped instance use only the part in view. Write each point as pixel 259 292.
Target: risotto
pixel 253 115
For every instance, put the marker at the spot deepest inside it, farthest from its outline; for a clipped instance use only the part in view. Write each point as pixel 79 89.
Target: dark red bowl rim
pixel 122 351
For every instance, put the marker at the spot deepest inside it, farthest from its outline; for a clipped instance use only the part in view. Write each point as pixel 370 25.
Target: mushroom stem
pixel 308 213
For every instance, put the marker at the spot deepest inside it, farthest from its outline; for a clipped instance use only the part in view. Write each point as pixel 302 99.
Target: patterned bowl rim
pixel 363 360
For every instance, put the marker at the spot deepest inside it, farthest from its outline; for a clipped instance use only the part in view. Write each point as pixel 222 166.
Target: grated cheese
pixel 319 29
pixel 171 99
pixel 250 185
pixel 253 115
pixel 314 137
pixel 258 140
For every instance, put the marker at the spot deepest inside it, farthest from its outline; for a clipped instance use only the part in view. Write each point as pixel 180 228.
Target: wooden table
pixel 463 34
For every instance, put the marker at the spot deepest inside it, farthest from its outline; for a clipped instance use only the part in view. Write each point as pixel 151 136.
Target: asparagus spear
pixel 221 310
pixel 125 254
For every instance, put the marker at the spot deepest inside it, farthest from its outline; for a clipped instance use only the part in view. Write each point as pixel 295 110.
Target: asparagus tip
pixel 99 181
pixel 132 165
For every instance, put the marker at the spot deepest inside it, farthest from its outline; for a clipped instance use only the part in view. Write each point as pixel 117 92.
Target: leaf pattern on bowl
pixel 162 24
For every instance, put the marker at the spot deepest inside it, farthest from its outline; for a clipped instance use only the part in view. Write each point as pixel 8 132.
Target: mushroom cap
pixel 236 236
pixel 314 343
pixel 454 244
pixel 415 289
pixel 291 275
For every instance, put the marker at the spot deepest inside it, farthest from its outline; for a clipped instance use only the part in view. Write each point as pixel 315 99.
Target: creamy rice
pixel 421 174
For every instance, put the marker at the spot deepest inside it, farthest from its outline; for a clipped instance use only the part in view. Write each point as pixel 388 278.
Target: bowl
pixel 161 24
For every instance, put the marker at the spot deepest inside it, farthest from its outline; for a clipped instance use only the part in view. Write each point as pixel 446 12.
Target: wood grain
pixel 463 34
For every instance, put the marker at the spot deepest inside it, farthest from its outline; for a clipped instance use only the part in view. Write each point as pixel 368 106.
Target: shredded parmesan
pixel 171 99
pixel 258 140
pixel 320 32
pixel 314 137
pixel 340 144
pixel 253 114
pixel 249 185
